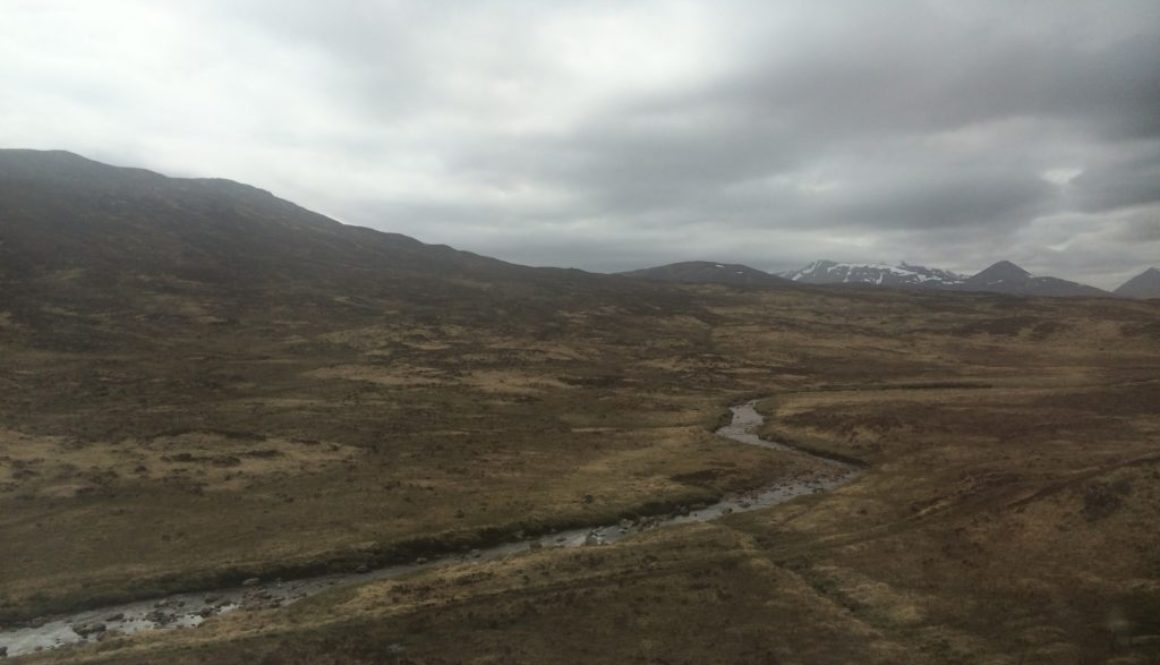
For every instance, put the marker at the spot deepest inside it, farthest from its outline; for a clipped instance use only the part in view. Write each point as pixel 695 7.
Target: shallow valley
pixel 203 385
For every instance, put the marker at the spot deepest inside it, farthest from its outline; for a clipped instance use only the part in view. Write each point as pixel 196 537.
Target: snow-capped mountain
pixel 1001 277
pixel 878 274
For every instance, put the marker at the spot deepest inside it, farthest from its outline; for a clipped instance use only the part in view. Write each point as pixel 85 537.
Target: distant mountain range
pixel 81 236
pixel 1002 277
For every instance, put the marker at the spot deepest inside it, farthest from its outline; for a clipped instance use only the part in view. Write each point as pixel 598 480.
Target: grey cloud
pixel 976 201
pixel 919 67
pixel 1124 183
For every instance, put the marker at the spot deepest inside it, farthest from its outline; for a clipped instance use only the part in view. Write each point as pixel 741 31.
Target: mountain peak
pixel 1006 267
pixel 1000 272
pixel 1006 277
pixel 1144 285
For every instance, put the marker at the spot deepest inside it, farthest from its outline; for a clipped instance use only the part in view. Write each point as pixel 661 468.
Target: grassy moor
pixel 203 385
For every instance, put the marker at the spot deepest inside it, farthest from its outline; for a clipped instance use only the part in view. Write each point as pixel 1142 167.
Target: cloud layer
pixel 617 135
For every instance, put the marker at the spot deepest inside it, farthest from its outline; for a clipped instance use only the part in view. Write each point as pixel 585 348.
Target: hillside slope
pixel 1144 285
pixel 707 272
pixel 125 250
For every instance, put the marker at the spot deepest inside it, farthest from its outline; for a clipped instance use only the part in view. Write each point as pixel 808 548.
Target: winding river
pixel 189 610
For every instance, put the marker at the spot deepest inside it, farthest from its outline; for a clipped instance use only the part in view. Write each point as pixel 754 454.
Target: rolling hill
pixel 708 272
pixel 123 248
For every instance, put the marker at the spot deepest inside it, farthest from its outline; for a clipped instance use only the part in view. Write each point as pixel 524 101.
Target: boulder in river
pixel 89 628
pixel 160 618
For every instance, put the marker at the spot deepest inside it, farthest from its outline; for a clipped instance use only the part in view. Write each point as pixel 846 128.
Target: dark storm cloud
pixel 612 135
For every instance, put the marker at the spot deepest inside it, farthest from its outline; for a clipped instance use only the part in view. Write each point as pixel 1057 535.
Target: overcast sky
pixel 621 134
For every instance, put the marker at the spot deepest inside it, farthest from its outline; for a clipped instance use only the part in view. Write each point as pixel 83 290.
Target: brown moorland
pixel 346 399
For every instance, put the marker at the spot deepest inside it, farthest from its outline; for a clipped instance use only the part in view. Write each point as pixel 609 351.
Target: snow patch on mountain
pixel 879 274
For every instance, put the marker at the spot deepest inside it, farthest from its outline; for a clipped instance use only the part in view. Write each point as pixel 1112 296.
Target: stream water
pixel 188 610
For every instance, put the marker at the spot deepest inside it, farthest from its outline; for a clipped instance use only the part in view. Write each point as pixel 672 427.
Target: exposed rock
pixel 251 581
pixel 90 628
pixel 160 618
